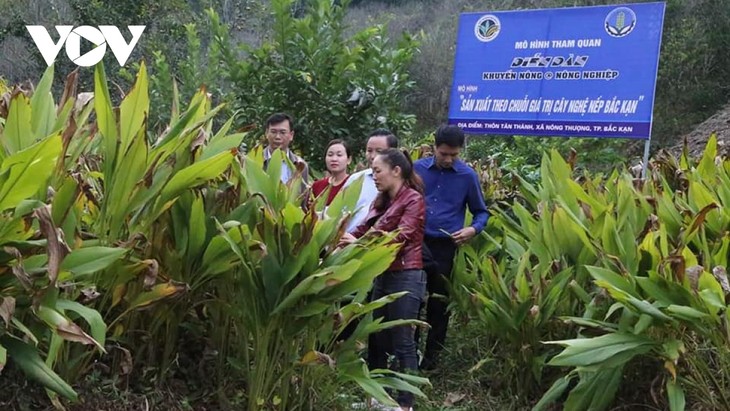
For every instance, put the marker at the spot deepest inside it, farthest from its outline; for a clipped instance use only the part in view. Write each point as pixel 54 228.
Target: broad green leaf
pixel 3 357
pixel 664 292
pixel 42 106
pixel 63 115
pixel 686 313
pixel 316 283
pixel 642 306
pixel 221 144
pixel 675 394
pixel 700 196
pixel 713 302
pixel 89 260
pixel 17 133
pixel 120 185
pixel 24 173
pixel 25 330
pixel 106 119
pixel 64 327
pixel 587 322
pixel 400 385
pixel 708 282
pixel 589 351
pixel 672 349
pixel 257 180
pixel 157 293
pixel 345 200
pixel 374 262
pixel 706 168
pixel 195 175
pixel 698 221
pixel 180 125
pixel 595 390
pixel 612 279
pixel 196 229
pixel 91 316
pixel 28 360
pixel 554 393
pixel 134 110
pixel 63 200
pixel 643 323
pixel 375 390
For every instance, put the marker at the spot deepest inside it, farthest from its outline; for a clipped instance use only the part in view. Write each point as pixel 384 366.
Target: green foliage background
pixel 261 57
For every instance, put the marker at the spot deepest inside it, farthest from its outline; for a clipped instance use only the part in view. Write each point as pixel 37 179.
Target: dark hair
pixel 277 118
pixel 396 158
pixel 452 136
pixel 390 138
pixel 338 141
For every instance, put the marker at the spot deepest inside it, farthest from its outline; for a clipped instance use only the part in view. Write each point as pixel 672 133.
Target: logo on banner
pixel 71 37
pixel 620 22
pixel 487 28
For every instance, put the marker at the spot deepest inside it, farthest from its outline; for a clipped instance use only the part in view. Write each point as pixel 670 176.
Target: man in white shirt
pixel 279 134
pixel 378 141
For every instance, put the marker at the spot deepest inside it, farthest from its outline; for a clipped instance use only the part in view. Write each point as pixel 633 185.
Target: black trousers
pixel 443 251
pixel 398 341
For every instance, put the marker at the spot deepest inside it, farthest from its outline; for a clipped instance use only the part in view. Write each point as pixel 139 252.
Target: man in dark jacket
pixel 279 134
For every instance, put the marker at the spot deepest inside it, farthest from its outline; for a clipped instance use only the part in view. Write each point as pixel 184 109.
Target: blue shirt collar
pixel 458 164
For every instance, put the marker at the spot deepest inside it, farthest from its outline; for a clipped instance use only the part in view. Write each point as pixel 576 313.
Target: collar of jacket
pixel 289 154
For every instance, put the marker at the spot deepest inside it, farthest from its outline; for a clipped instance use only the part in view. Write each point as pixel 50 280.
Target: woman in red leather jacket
pixel 399 206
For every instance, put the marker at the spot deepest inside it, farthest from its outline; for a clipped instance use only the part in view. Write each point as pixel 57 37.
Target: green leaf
pixel 195 175
pixel 28 360
pixel 120 185
pixel 554 393
pixel 17 133
pixel 686 313
pixel 89 260
pixel 63 200
pixel 25 330
pixel 318 282
pixel 65 328
pixel 3 357
pixel 218 145
pixel 595 391
pixel 706 168
pixel 157 293
pixel 134 110
pixel 105 119
pixel 399 385
pixel 92 317
pixel 26 172
pixel 42 106
pixel 588 351
pixel 675 394
pixel 611 278
pixel 672 349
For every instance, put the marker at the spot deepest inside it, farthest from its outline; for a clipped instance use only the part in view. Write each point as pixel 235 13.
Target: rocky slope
pixel 696 140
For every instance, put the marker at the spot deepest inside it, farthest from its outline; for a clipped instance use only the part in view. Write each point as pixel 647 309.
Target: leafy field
pixel 136 261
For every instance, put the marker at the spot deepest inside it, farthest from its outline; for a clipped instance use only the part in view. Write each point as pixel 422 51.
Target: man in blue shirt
pixel 450 187
pixel 378 141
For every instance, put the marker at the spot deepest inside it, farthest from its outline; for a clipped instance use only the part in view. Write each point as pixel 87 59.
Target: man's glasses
pixel 275 132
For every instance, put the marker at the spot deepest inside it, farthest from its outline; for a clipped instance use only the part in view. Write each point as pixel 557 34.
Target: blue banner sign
pixel 581 71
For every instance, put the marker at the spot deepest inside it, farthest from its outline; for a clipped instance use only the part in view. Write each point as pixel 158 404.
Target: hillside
pixel 719 123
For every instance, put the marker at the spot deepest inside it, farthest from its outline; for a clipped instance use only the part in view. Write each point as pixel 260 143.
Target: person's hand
pixel 346 239
pixel 463 235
